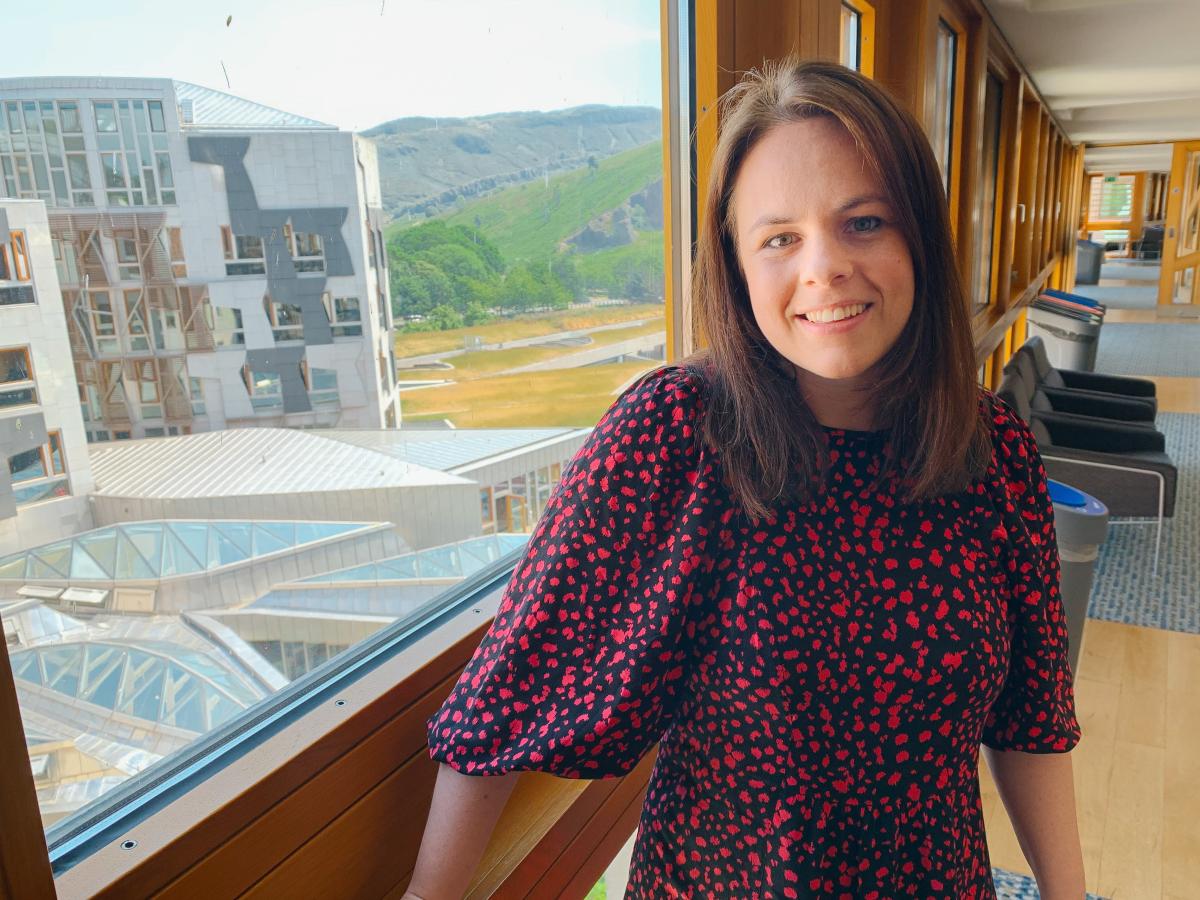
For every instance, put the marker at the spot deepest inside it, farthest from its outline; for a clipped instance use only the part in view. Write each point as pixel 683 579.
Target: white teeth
pixel 836 314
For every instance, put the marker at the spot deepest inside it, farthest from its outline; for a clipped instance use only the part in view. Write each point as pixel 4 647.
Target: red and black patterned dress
pixel 819 686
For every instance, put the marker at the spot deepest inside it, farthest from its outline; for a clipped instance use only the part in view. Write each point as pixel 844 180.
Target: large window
pixel 988 195
pixel 14 271
pixel 134 155
pixel 857 36
pixel 1110 198
pixel 17 387
pixel 285 319
pixel 344 314
pixel 244 254
pixel 39 473
pixel 945 100
pixel 512 227
pixel 42 153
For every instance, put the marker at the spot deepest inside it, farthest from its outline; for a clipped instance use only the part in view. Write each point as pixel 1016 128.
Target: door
pixel 1181 240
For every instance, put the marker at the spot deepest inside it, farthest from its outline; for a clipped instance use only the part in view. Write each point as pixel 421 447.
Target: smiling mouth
pixel 835 314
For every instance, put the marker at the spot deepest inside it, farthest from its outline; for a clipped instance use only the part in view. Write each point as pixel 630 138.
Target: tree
pixel 444 318
pixel 476 314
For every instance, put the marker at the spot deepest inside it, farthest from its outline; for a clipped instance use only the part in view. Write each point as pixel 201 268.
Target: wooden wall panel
pixel 24 863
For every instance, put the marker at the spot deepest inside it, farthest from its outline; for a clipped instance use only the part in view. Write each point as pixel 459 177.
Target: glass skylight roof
pixel 161 683
pixel 162 549
pixel 451 561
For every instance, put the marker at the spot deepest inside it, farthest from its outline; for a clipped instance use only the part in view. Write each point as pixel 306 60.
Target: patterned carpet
pixel 1011 886
pixel 1131 271
pixel 1144 349
pixel 1125 590
pixel 1121 296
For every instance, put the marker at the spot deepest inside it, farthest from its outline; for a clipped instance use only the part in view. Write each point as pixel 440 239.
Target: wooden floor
pixel 1137 766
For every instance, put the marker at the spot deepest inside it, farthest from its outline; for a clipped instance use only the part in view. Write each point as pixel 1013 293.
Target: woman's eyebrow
pixel 860 201
pixel 777 219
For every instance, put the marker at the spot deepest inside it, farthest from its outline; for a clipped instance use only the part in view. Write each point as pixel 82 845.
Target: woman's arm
pixel 462 816
pixel 1039 793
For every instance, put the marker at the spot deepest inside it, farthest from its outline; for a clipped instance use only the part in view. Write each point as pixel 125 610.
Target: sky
pixel 356 63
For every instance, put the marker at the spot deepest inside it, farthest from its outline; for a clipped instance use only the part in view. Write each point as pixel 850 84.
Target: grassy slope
pixel 646 252
pixel 562 397
pixel 425 342
pixel 528 222
pixel 484 363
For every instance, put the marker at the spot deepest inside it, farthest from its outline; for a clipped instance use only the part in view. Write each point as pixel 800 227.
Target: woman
pixel 814 561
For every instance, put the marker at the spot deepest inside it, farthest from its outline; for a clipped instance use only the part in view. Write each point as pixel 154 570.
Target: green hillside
pixel 529 221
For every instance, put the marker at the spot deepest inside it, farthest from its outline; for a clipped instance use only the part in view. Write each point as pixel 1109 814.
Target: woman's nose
pixel 824 259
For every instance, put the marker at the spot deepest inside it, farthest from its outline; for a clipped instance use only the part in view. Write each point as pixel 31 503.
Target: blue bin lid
pixel 1065 495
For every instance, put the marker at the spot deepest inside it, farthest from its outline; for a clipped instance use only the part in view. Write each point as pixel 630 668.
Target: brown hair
pixel 771 446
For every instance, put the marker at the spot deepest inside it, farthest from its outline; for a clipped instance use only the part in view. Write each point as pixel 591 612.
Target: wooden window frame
pixel 20 253
pixel 866 34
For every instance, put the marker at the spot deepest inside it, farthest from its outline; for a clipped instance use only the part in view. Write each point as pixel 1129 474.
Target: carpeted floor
pixel 1148 271
pixel 1145 349
pixel 1011 886
pixel 1121 296
pixel 1125 590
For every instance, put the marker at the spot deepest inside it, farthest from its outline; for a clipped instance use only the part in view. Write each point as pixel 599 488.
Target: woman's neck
pixel 837 402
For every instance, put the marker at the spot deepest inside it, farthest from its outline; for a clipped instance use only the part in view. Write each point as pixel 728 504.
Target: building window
pixel 175 251
pixel 93 310
pixel 988 207
pixel 286 320
pixel 14 271
pixel 128 256
pixel 244 253
pixel 42 153
pixel 137 333
pixel 321 384
pixel 265 390
pixel 38 473
pixel 133 153
pixel 225 324
pixel 306 248
pixel 345 316
pixel 850 25
pixel 196 395
pixel 17 387
pixel 944 99
pixel 168 336
pixel 146 388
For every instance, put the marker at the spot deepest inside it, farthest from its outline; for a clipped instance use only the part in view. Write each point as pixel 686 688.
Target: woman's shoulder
pixel 654 419
pixel 672 394
pixel 1013 443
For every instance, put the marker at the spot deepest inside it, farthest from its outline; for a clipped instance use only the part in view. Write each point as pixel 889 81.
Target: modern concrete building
pixel 47 473
pixel 221 262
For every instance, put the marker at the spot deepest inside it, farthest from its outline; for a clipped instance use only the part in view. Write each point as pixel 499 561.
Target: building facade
pixel 221 262
pixel 47 473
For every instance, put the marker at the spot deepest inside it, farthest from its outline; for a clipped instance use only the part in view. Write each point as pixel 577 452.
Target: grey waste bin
pixel 1071 337
pixel 1081 523
pixel 1088 257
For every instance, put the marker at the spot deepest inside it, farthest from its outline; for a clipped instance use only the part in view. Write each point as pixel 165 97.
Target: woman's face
pixel 828 271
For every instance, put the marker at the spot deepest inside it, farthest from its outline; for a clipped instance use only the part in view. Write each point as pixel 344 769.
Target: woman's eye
pixel 865 224
pixel 780 241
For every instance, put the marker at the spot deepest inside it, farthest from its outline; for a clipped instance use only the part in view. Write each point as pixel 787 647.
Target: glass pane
pixel 943 124
pixel 106 119
pixel 27 465
pixel 14 366
pixel 448 263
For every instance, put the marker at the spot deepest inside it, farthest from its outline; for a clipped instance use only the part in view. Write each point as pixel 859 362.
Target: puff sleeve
pixel 1035 711
pixel 583 664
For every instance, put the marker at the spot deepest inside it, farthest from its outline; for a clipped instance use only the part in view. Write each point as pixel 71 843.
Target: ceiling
pixel 1112 70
